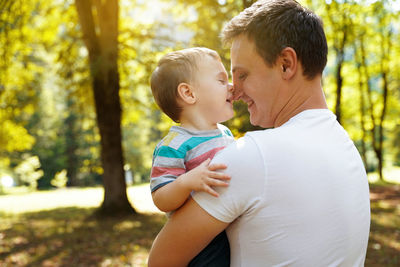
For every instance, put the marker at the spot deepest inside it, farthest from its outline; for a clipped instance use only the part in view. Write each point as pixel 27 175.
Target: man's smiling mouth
pixel 249 103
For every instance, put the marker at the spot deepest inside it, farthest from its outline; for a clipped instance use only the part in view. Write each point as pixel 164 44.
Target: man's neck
pixel 307 95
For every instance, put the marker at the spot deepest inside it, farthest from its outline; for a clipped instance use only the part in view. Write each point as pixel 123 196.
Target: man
pixel 298 195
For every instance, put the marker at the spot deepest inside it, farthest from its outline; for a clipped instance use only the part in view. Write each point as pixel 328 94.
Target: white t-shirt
pixel 298 195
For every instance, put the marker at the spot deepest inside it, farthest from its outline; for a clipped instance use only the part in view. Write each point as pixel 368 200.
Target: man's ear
pixel 287 61
pixel 186 93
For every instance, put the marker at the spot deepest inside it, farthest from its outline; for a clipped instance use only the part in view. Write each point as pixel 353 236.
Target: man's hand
pixel 203 177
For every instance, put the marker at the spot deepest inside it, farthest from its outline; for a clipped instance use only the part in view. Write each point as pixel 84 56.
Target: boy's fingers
pixel 206 162
pixel 217 166
pixel 219 175
pixel 216 182
pixel 209 190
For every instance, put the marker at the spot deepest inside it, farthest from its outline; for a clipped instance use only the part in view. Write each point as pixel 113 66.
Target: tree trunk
pixel 383 114
pixel 339 79
pixel 102 44
pixel 385 89
pixel 339 83
pixel 71 140
pixel 339 47
pixel 363 149
pixel 375 146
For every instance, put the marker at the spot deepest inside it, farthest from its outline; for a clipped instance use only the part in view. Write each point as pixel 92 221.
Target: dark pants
pixel 216 254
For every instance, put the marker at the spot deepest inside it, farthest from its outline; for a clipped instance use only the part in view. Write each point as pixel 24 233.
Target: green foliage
pixel 46 101
pixel 28 171
pixel 60 179
pixel 14 137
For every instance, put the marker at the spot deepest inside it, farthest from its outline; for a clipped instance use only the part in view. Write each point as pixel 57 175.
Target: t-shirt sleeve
pixel 168 164
pixel 246 187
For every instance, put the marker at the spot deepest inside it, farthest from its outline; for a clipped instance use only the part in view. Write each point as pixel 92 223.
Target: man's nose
pixel 236 92
pixel 230 87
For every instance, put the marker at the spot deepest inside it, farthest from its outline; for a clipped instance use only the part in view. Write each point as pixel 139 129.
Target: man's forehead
pixel 242 50
pixel 240 43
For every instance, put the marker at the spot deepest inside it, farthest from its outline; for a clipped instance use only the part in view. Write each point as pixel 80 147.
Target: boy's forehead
pixel 208 61
pixel 207 58
pixel 210 67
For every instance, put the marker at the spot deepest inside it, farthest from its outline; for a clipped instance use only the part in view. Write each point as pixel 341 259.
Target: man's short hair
pixel 175 68
pixel 276 24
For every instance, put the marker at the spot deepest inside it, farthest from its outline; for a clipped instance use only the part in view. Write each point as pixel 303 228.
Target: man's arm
pixel 184 235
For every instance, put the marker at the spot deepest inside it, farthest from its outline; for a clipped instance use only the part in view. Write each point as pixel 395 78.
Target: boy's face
pixel 213 91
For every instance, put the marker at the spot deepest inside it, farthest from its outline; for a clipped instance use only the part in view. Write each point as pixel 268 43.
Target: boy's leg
pixel 216 254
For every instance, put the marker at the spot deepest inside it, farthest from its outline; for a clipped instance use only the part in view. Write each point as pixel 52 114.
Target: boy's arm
pixel 171 196
pixel 174 194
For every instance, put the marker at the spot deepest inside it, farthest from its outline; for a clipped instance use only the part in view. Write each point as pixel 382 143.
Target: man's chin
pixel 257 122
pixel 254 121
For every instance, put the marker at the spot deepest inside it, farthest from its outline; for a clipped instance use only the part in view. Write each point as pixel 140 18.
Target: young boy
pixel 191 86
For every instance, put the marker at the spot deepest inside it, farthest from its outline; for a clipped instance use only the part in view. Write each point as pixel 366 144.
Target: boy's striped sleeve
pixel 168 164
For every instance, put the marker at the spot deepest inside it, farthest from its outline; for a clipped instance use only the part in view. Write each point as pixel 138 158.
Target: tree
pixel 385 30
pixel 72 145
pixel 100 36
pixel 361 86
pixel 340 26
pixel 49 109
pixel 18 93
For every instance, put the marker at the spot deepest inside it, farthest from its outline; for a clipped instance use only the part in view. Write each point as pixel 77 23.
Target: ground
pixel 56 228
pixel 384 240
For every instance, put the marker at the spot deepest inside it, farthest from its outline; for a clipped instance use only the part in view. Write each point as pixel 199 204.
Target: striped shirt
pixel 182 150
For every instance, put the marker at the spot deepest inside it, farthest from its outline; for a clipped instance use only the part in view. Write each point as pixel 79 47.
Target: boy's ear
pixel 288 63
pixel 186 93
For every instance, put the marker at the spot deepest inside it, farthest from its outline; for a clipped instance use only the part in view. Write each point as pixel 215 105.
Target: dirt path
pixel 390 194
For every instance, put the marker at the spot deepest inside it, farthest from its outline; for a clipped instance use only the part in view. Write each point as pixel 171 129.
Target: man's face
pixel 255 83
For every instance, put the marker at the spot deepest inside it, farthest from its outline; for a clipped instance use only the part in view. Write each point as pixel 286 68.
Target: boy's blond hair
pixel 175 68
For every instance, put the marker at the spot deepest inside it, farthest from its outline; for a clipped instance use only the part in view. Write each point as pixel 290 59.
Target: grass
pixel 390 174
pixel 75 197
pixel 55 228
pixel 384 239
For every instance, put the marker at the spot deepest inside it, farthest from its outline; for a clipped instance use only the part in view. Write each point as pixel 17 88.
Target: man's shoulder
pixel 241 150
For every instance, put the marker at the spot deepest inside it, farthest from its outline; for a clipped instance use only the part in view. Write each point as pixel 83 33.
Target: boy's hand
pixel 204 176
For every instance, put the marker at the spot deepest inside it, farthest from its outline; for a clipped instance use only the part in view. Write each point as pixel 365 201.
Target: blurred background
pixel 77 115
